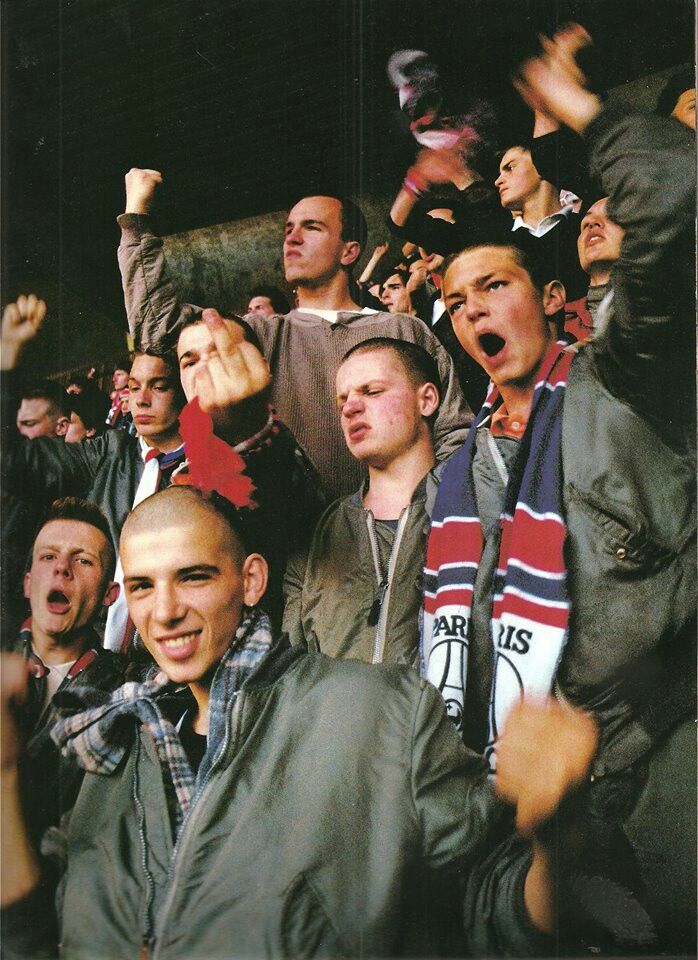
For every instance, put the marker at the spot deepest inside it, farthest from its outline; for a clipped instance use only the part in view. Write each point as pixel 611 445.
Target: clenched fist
pixel 545 752
pixel 20 324
pixel 140 188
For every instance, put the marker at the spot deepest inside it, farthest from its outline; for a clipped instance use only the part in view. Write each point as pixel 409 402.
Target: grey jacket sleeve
pixel 294 578
pixel 466 831
pixel 155 313
pixel 644 353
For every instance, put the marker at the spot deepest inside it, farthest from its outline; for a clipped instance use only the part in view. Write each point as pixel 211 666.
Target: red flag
pixel 212 463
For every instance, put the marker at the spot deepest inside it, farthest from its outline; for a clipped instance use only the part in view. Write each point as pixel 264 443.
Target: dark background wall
pixel 244 105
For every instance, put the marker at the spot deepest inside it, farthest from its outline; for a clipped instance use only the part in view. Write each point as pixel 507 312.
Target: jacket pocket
pixel 306 930
pixel 624 541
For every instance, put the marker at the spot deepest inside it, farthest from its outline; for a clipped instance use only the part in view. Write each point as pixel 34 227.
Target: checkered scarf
pixel 100 736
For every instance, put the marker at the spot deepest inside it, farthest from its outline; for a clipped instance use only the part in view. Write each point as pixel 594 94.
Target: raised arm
pixel 646 165
pixel 155 313
pixel 46 467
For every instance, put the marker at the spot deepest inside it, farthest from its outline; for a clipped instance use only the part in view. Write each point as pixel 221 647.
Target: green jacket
pixel 344 599
pixel 340 802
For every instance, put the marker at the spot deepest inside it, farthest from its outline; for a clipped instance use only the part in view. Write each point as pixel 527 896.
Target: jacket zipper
pixel 150 884
pixel 381 604
pixel 187 831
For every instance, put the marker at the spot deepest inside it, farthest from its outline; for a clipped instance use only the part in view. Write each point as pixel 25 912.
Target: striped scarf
pixel 99 737
pixel 530 603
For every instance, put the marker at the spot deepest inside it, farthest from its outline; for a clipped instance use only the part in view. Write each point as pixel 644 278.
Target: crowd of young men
pixel 253 789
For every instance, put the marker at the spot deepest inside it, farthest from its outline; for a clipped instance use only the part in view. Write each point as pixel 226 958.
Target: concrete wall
pixel 217 266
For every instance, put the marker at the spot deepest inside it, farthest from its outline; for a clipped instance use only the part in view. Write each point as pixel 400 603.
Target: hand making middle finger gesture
pixel 237 371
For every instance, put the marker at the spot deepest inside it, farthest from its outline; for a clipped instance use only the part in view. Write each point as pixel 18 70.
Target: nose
pixel 475 306
pixel 167 609
pixel 143 397
pixel 500 180
pixel 63 568
pixel 385 296
pixel 352 405
pixel 591 220
pixel 293 236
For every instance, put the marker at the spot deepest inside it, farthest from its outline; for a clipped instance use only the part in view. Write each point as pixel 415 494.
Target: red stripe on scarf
pixel 531 610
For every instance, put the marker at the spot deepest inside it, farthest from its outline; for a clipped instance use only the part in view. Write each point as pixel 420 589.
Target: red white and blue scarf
pixel 530 603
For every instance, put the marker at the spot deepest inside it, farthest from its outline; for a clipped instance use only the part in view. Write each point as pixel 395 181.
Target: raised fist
pixel 140 187
pixel 545 752
pixel 552 83
pixel 20 324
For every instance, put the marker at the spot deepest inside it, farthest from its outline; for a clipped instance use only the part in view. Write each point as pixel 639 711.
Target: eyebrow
pixel 183 571
pixel 188 353
pixel 479 283
pixel 73 551
pixel 152 381
pixel 373 382
pixel 308 222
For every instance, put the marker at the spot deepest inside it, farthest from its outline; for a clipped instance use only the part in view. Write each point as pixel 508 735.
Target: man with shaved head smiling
pixel 253 799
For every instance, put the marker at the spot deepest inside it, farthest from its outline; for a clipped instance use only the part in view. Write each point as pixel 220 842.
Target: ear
pixel 62 426
pixel 255 574
pixel 554 297
pixel 111 593
pixel 91 432
pixel 428 397
pixel 352 252
pixel 27 584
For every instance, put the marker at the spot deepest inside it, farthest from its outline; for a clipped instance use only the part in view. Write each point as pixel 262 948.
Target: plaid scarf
pixel 100 736
pixel 530 604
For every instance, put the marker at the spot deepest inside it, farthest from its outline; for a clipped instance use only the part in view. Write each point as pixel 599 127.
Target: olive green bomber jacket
pixel 340 792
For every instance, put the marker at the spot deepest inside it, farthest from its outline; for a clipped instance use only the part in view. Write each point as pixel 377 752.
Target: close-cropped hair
pixel 681 80
pixel 276 297
pixel 195 318
pixel 354 226
pixel 384 275
pixel 49 391
pixel 75 508
pixel 538 268
pixel 169 357
pixel 419 365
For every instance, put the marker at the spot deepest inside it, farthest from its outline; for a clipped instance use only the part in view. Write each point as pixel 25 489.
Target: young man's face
pixel 152 399
pixel 314 252
pixel 195 347
pixel 77 430
pixel 67 583
pixel 518 178
pixel 685 109
pixel 498 315
pixel 186 586
pixel 261 306
pixel 395 296
pixel 37 417
pixel 382 412
pixel 119 378
pixel 599 238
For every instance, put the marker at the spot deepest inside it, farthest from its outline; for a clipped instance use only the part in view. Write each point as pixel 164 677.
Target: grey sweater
pixel 302 349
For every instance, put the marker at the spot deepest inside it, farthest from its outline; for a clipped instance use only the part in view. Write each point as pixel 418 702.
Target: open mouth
pixel 492 344
pixel 57 602
pixel 182 646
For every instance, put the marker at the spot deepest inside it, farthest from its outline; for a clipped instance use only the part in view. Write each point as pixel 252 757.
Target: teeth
pixel 178 642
